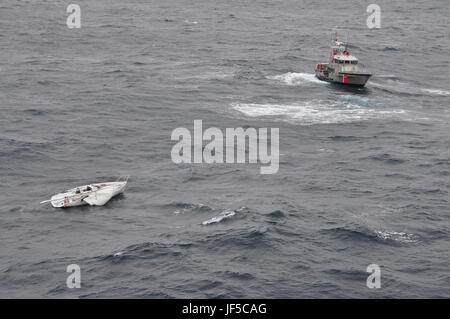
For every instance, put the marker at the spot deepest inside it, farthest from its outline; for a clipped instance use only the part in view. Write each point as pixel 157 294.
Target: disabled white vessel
pixel 93 194
pixel 343 68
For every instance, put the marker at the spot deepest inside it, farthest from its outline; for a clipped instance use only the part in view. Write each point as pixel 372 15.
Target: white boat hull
pixel 99 195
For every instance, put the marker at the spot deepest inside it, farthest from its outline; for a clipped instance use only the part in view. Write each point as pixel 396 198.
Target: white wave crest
pixel 223 215
pixel 401 237
pixel 292 78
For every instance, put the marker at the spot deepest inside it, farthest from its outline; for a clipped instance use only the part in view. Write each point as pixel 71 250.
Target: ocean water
pixel 364 174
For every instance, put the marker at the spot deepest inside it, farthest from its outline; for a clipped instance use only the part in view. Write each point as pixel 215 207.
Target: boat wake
pixel 318 112
pixel 436 92
pixel 296 79
pixel 394 86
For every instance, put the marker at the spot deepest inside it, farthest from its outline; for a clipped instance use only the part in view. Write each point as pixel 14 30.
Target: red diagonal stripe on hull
pixel 345 78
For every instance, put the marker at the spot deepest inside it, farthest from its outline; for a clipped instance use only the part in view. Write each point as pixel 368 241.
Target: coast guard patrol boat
pixel 344 68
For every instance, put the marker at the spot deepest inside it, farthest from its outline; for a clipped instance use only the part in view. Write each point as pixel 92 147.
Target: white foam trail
pixel 292 78
pixel 437 92
pixel 317 112
pixel 220 217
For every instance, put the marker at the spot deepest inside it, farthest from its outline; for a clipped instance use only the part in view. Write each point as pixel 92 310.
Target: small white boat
pixel 92 194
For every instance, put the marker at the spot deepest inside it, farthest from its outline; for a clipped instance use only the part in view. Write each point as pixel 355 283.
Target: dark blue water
pixel 363 179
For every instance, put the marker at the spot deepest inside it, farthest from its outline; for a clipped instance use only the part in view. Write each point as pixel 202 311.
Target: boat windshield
pixel 345 61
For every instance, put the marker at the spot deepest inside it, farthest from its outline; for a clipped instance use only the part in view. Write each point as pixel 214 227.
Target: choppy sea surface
pixel 364 174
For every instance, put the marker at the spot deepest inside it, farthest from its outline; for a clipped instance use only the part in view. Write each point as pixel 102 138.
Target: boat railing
pixel 123 178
